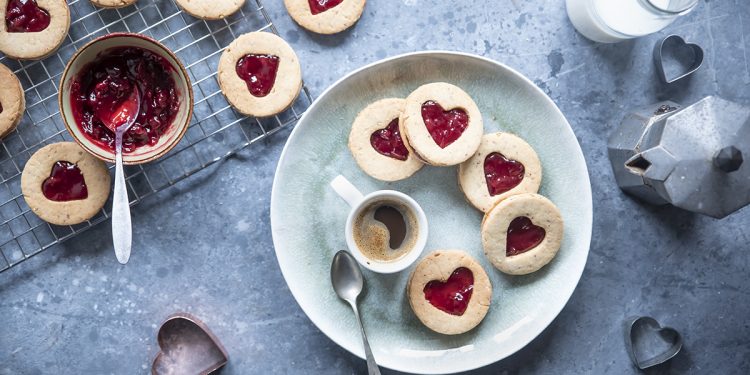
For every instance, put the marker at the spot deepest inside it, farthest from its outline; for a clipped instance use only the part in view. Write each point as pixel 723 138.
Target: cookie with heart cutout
pixel 65 185
pixel 442 123
pixel 325 16
pixel 33 29
pixel 12 101
pixel 259 74
pixel 449 292
pixel 503 165
pixel 377 144
pixel 522 233
pixel 113 3
pixel 210 9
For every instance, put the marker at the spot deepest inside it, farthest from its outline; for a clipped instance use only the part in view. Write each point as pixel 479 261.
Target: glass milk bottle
pixel 610 21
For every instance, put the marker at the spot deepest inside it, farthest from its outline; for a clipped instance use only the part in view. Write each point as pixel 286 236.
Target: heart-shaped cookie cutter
pixel 679 42
pixel 187 346
pixel 635 332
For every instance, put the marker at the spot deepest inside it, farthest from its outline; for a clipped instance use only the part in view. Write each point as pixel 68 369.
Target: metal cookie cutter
pixel 649 344
pixel 187 346
pixel 689 57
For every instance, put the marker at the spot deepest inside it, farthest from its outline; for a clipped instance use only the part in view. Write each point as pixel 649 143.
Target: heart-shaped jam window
pixel 501 173
pixel 187 347
pixel 320 6
pixel 259 71
pixel 523 236
pixel 388 141
pixel 1 107
pixel 452 295
pixel 445 127
pixel 25 16
pixel 65 183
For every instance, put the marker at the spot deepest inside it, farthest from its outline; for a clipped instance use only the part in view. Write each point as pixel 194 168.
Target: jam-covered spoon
pixel 348 282
pixel 120 120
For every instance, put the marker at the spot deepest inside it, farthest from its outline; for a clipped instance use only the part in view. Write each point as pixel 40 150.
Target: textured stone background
pixel 205 245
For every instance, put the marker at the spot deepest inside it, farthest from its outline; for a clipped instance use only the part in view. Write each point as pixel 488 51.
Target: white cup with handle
pixel 359 202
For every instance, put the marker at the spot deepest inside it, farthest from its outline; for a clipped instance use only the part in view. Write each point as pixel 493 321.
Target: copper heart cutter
pixel 187 346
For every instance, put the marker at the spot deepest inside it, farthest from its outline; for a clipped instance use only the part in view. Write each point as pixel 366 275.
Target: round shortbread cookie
pixel 112 3
pixel 496 224
pixel 210 9
pixel 439 266
pixel 451 100
pixel 378 125
pixel 487 178
pixel 323 18
pixel 39 44
pixel 12 101
pixel 288 80
pixel 39 168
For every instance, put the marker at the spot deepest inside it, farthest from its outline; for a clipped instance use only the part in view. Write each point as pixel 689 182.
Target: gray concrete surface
pixel 205 245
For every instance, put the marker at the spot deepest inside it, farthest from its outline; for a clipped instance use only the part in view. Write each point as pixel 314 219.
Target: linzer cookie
pixel 12 101
pixel 325 16
pixel 442 123
pixel 449 292
pixel 210 9
pixel 522 233
pixel 112 3
pixel 503 166
pixel 64 185
pixel 33 29
pixel 377 143
pixel 260 74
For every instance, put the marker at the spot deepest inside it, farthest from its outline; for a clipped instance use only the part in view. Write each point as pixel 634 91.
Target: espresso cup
pixel 379 221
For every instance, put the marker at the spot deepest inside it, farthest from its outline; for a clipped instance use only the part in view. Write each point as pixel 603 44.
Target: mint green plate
pixel 307 217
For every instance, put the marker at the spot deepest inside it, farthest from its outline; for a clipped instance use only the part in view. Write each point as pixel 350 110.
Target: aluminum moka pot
pixel 691 157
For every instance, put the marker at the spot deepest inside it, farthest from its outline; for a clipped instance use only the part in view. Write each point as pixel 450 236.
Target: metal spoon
pixel 120 120
pixel 348 282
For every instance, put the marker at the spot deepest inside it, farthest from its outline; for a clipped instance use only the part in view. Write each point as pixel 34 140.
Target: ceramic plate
pixel 308 218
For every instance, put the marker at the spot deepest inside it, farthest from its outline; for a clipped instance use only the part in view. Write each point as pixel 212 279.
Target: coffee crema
pixel 385 230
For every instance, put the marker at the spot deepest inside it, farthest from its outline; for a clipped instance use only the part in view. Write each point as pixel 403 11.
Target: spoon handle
pixel 372 367
pixel 122 231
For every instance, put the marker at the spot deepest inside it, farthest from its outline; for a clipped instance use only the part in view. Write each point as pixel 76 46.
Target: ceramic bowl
pixel 86 55
pixel 308 218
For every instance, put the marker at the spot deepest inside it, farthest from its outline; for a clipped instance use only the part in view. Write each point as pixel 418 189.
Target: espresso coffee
pixel 385 230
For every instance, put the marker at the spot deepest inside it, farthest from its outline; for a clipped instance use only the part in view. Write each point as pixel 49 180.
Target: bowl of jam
pixel 102 75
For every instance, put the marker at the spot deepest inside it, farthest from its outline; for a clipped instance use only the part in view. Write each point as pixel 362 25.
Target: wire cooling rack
pixel 215 133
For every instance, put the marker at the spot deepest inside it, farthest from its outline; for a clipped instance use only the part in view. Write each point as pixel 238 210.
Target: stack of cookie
pixel 439 124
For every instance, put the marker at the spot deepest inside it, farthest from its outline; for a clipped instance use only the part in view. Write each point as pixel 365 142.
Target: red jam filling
pixel 501 173
pixel 523 236
pixel 65 183
pixel 106 82
pixel 388 141
pixel 259 71
pixel 25 16
pixel 320 6
pixel 1 107
pixel 453 295
pixel 445 127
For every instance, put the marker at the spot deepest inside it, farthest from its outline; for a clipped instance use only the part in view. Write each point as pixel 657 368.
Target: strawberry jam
pixel 523 236
pixel 445 127
pixel 453 295
pixel 25 16
pixel 388 141
pixel 106 82
pixel 501 173
pixel 65 183
pixel 320 6
pixel 259 71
